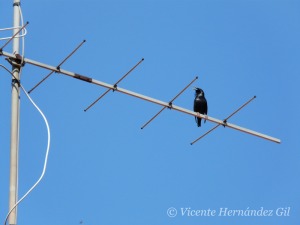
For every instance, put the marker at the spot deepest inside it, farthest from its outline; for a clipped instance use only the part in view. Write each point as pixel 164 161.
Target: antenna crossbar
pixel 170 103
pixel 115 85
pixel 146 98
pixel 225 120
pixel 58 67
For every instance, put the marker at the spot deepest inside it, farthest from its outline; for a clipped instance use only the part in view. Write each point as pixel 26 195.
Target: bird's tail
pixel 198 121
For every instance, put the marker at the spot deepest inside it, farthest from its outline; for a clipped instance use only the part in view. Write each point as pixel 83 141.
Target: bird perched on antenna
pixel 200 104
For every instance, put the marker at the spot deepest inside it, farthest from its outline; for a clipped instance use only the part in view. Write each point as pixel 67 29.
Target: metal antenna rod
pixel 225 121
pixel 170 103
pixel 40 82
pixel 8 71
pixel 108 90
pixel 115 85
pixel 128 72
pixel 58 67
pixel 239 108
pixel 143 97
pixel 15 117
pixel 215 127
pixel 153 117
pixel 184 89
pixel 9 40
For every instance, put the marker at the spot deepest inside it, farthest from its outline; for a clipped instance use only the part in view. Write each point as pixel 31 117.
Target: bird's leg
pixel 224 123
pixel 206 116
pixel 115 87
pixel 199 115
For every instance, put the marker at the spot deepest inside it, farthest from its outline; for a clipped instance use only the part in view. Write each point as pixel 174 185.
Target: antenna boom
pixel 146 98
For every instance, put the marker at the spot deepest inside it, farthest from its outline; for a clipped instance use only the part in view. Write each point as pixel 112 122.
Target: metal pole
pixel 146 98
pixel 15 110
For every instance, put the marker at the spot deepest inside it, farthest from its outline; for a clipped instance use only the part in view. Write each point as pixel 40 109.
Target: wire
pixel 24 33
pixel 46 157
pixel 47 150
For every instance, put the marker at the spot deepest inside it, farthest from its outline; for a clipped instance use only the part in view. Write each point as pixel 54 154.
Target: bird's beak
pixel 194 88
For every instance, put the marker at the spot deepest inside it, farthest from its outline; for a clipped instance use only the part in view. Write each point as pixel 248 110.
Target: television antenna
pixel 114 87
pixel 18 62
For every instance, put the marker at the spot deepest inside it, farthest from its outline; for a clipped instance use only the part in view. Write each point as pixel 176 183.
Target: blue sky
pixel 103 169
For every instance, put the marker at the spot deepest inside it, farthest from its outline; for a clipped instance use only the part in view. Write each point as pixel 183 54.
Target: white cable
pixel 24 32
pixel 46 156
pixel 47 150
pixel 10 28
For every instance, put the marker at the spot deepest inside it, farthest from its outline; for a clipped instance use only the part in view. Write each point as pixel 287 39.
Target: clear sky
pixel 103 169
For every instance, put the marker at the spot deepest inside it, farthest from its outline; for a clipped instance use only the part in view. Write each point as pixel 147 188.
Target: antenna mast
pixel 15 116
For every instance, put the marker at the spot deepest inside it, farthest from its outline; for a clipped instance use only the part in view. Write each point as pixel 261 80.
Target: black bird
pixel 200 105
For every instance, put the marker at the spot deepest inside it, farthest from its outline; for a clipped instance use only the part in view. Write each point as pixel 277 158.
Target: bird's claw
pixel 224 123
pixel 115 87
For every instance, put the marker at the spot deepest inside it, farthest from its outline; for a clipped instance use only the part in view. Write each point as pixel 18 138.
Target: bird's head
pixel 199 91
